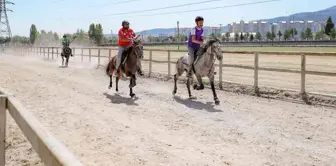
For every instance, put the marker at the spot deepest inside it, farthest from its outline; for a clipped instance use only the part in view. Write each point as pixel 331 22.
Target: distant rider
pixel 65 43
pixel 195 41
pixel 125 36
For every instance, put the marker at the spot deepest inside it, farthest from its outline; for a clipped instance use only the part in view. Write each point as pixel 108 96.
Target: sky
pixel 66 16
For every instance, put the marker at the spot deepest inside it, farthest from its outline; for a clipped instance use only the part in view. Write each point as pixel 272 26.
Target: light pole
pixel 178 35
pixel 112 36
pixel 220 30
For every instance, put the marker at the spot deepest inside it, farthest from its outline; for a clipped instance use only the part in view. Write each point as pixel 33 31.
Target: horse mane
pixel 200 52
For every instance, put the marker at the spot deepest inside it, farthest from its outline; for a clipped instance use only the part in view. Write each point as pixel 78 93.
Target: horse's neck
pixel 206 58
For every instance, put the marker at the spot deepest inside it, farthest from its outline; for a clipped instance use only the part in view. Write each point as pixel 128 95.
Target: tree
pixel 251 37
pixel 56 37
pixel 150 38
pixel 33 34
pixel 273 35
pixel 92 32
pixel 293 32
pixel 308 33
pixel 320 35
pixel 99 34
pixel 330 25
pixel 333 33
pixel 287 35
pixel 246 36
pixel 236 37
pixel 227 36
pixel 268 36
pixel 279 35
pixel 241 36
pixel 303 36
pixel 258 36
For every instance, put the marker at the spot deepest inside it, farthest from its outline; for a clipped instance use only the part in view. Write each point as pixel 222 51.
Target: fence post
pixel 82 54
pixel 303 77
pixel 89 54
pixel 52 52
pixel 221 74
pixel 3 105
pixel 48 52
pixel 98 57
pixel 74 53
pixel 256 73
pixel 150 63
pixel 110 54
pixel 169 64
pixel 44 52
pixel 57 52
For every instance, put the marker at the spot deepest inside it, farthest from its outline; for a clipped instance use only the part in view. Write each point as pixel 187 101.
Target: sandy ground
pixel 317 84
pixel 103 127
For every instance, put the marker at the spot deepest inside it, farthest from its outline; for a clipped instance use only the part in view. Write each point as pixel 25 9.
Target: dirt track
pixel 106 128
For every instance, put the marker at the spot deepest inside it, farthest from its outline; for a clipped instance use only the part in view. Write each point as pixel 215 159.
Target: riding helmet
pixel 199 18
pixel 124 22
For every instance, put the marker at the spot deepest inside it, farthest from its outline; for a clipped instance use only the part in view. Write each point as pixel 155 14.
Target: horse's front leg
pixel 110 85
pixel 67 61
pixel 212 84
pixel 132 82
pixel 200 85
pixel 175 84
pixel 117 80
pixel 189 81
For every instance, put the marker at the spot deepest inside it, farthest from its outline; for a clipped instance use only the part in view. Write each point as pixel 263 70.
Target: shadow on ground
pixel 117 99
pixel 208 106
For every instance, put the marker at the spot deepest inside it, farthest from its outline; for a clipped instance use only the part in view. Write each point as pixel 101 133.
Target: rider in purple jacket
pixel 196 38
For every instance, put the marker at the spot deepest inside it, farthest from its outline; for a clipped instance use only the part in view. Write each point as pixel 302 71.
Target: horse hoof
pixel 217 102
pixel 109 87
pixel 174 92
pixel 132 95
pixel 195 86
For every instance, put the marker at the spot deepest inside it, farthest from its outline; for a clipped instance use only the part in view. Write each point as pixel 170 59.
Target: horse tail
pixel 108 68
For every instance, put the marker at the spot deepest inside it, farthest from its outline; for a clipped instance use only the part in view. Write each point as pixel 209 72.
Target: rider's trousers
pixel 121 49
pixel 191 57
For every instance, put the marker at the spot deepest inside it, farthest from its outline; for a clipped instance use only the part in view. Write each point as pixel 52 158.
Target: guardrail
pixel 50 150
pixel 49 52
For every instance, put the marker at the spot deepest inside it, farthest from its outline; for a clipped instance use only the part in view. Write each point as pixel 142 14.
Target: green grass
pixel 256 49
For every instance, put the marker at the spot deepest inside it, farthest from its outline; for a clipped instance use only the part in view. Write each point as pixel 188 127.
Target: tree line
pixel 93 36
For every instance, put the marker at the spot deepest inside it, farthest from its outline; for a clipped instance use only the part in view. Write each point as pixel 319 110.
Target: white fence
pixel 53 52
pixel 50 150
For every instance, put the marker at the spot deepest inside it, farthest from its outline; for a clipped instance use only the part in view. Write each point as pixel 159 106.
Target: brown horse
pixel 128 66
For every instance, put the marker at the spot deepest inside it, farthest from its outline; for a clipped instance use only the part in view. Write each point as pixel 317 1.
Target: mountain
pixel 321 15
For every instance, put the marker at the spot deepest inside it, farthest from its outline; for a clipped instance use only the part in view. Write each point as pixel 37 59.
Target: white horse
pixel 203 66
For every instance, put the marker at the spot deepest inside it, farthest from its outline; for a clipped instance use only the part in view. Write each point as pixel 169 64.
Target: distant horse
pixel 203 66
pixel 129 64
pixel 66 53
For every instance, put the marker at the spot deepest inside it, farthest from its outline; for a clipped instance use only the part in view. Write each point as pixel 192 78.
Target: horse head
pixel 215 47
pixel 138 46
